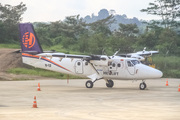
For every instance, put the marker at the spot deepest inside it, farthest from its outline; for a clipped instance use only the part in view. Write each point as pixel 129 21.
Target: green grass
pixel 12 46
pixel 22 79
pixel 42 72
pixel 170 65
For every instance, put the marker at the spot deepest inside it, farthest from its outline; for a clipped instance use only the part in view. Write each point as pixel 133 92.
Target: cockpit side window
pixel 130 64
pixel 135 62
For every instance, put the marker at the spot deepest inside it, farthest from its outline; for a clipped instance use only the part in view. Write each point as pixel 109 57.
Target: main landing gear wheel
pixel 89 84
pixel 142 86
pixel 110 83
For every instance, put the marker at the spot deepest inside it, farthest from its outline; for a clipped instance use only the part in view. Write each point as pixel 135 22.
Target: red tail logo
pixel 28 40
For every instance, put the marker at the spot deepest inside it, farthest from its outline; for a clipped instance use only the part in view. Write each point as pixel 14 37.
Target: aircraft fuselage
pixel 119 68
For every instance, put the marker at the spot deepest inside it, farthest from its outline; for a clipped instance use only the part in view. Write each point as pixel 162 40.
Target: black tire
pixel 89 84
pixel 145 85
pixel 110 84
pixel 142 86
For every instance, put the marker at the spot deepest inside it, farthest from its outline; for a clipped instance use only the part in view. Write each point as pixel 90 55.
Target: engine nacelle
pixel 102 61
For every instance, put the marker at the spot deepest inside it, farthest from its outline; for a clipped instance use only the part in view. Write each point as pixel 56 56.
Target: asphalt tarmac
pixel 58 100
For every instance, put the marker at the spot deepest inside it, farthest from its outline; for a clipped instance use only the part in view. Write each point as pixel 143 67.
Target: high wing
pixel 140 55
pixel 146 53
pixel 83 57
pixel 62 55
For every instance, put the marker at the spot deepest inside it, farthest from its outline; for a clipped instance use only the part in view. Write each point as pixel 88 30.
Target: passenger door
pixel 130 67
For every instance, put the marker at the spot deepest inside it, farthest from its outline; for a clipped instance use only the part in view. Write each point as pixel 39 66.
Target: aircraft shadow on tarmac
pixel 102 90
pixel 3 106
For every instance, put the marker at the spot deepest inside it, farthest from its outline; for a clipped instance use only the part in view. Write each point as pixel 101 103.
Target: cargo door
pixel 79 67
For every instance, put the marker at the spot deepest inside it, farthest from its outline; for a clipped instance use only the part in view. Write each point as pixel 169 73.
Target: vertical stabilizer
pixel 28 38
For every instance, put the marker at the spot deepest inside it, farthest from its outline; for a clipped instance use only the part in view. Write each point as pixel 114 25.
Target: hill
pixel 104 13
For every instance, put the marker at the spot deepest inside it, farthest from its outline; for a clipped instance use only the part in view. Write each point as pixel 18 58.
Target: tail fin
pixel 29 40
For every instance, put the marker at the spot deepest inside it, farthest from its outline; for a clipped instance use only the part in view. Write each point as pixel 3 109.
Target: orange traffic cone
pixel 34 103
pixel 179 88
pixel 38 89
pixel 167 83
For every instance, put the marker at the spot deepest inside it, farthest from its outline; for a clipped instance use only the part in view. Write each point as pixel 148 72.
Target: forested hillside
pixel 104 13
pixel 90 35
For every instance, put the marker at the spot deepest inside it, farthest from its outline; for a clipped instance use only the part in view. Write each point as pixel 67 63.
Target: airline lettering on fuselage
pixel 110 73
pixel 47 65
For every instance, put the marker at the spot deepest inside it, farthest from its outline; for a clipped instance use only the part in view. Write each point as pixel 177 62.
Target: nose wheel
pixel 142 86
pixel 110 84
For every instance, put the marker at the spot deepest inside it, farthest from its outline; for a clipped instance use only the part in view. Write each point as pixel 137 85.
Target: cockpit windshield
pixel 135 62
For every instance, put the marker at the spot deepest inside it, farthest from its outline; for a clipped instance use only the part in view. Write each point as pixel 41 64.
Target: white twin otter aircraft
pixel 95 67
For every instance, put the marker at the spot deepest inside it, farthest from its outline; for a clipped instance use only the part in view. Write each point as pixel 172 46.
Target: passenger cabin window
pixel 78 63
pixel 119 65
pixel 114 65
pixel 129 64
pixel 109 63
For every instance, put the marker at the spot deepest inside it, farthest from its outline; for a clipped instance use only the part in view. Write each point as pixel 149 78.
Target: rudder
pixel 29 40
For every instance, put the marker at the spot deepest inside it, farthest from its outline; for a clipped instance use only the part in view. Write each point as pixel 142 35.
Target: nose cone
pixel 156 73
pixel 147 72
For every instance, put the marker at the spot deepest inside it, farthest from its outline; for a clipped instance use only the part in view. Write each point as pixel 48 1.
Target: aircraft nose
pixel 154 73
pixel 158 74
pixel 149 72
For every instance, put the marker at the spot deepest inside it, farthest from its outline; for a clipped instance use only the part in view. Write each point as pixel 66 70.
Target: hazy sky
pixel 54 10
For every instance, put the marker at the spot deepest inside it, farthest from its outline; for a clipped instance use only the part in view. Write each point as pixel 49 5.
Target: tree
pixel 168 10
pixel 75 26
pixel 116 43
pixel 83 43
pixel 148 40
pixel 10 16
pixel 97 42
pixel 43 33
pixel 102 26
pixel 168 41
pixel 128 29
pixel 3 32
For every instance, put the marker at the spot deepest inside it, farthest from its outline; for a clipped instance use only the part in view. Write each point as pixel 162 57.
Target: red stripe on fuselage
pixel 29 55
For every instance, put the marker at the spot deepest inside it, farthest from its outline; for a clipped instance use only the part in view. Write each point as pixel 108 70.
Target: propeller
pixel 116 53
pixel 144 49
pixel 103 52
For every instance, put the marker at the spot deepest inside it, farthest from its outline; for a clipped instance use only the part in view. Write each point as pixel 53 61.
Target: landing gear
pixel 89 84
pixel 142 86
pixel 110 84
